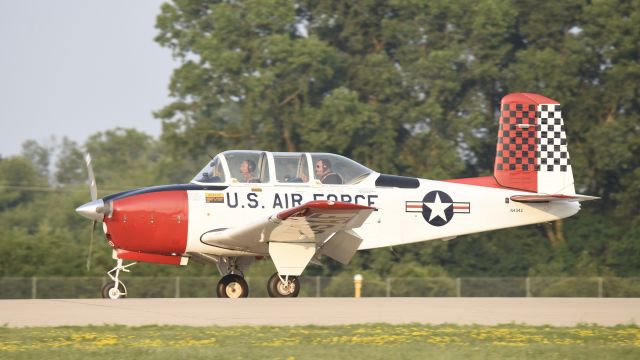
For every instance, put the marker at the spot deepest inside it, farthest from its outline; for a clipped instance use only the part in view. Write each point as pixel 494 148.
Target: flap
pixel 341 246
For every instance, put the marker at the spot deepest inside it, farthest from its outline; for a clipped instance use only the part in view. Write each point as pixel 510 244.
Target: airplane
pixel 298 207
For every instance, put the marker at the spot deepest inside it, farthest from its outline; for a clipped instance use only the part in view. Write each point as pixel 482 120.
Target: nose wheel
pixel 110 291
pixel 283 286
pixel 232 286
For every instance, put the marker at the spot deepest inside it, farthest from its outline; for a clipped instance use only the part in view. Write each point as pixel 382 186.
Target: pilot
pixel 215 175
pixel 247 167
pixel 325 173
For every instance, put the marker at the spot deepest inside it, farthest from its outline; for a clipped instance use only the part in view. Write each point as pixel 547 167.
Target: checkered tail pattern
pixel 531 153
pixel 552 150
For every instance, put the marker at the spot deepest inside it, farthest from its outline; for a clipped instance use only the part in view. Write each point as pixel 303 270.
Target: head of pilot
pixel 247 167
pixel 322 167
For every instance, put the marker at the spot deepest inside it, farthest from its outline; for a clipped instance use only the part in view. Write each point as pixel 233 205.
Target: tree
pixel 39 155
pixel 414 87
pixel 409 87
pixel 70 165
pixel 123 159
pixel 17 177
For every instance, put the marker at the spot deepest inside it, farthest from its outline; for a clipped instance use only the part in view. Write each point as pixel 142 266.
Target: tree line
pixel 405 87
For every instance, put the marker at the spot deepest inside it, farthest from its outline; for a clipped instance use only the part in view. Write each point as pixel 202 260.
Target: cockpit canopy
pixel 249 166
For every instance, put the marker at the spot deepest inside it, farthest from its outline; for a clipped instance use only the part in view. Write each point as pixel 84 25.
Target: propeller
pixel 93 230
pixel 93 189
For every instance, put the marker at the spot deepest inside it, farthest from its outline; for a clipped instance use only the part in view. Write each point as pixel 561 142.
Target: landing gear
pixel 116 289
pixel 287 286
pixel 232 286
pixel 109 291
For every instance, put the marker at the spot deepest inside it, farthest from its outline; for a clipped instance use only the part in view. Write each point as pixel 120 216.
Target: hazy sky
pixel 75 67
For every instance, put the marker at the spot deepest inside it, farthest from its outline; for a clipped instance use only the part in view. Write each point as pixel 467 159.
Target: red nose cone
pixel 154 222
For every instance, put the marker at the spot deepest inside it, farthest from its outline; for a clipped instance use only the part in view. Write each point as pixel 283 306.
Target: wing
pixel 293 236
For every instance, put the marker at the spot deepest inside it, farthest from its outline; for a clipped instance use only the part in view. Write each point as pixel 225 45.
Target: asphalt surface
pixel 319 311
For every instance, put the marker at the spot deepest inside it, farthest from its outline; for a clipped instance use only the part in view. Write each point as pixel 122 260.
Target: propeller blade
pixel 93 187
pixel 93 230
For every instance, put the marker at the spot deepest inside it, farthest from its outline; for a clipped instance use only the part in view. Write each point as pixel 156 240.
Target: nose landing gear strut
pixel 116 289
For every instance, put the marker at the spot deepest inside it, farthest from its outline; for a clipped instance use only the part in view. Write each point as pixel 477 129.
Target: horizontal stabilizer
pixel 542 198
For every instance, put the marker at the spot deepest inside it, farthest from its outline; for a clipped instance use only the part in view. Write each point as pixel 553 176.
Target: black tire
pixel 276 288
pixel 232 286
pixel 110 285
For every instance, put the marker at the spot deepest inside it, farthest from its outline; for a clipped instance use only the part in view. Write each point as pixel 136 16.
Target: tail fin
pixel 532 151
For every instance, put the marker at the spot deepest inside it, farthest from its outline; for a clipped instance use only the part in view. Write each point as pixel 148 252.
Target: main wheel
pixel 109 291
pixel 277 288
pixel 232 286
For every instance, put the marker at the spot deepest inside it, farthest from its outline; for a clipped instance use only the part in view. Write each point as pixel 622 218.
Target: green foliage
pixel 38 155
pixel 16 175
pixel 413 87
pixel 407 87
pixel 124 158
pixel 359 341
pixel 70 164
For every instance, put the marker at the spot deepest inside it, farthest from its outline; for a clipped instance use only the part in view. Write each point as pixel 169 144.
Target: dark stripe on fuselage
pixel 159 188
pixel 403 182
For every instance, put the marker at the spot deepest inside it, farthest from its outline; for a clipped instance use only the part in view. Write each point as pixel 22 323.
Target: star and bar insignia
pixel 438 208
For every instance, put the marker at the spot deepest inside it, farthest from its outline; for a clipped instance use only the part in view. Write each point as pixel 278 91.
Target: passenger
pixel 325 173
pixel 247 167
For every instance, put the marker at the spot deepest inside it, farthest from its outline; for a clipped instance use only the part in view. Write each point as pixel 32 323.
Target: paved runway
pixel 319 311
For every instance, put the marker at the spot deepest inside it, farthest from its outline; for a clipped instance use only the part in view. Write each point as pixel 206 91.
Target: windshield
pixel 291 167
pixel 336 169
pixel 248 166
pixel 211 173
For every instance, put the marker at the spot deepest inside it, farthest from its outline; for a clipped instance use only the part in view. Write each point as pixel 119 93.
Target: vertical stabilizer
pixel 532 150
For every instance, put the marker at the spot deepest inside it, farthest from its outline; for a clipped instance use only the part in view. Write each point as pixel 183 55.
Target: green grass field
pixel 377 341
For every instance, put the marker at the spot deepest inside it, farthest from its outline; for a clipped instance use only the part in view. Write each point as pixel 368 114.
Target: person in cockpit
pixel 214 174
pixel 247 167
pixel 325 173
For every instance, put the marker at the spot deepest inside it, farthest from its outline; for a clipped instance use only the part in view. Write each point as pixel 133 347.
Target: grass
pixel 375 341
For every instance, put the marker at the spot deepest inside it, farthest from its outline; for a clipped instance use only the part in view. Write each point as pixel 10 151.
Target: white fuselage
pixel 399 219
